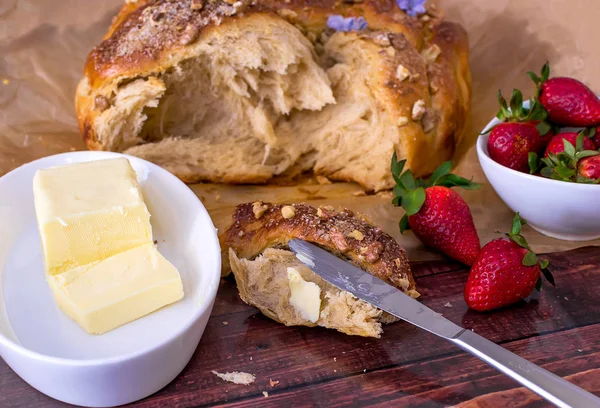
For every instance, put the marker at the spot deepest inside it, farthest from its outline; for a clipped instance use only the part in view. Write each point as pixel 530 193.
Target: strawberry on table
pixel 522 131
pixel 438 216
pixel 568 101
pixel 505 271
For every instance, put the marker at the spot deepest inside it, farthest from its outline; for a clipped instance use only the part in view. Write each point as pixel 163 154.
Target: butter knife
pixel 386 297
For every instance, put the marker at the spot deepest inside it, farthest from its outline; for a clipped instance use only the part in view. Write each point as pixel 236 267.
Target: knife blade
pixel 373 290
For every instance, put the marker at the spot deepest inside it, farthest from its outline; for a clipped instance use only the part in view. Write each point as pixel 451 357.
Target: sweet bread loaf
pixel 255 246
pixel 246 91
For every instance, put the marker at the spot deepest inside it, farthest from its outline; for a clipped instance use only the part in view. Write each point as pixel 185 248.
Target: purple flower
pixel 412 7
pixel 340 23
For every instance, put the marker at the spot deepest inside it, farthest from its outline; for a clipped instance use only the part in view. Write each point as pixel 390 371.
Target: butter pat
pixel 106 294
pixel 305 296
pixel 88 212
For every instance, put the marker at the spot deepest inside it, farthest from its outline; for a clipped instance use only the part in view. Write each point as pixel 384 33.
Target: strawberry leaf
pixel 503 114
pixel 516 104
pixel 536 79
pixel 397 167
pixel 547 172
pixel 543 128
pixel 407 180
pixel 413 201
pixel 545 72
pixel 544 264
pixel 532 159
pixel 591 132
pixel 516 225
pixel 444 169
pixel 399 191
pixel 564 172
pixel 538 284
pixel 569 148
pixel 404 226
pixel 452 180
pixel 530 259
pixel 586 153
pixel 396 201
pixel 520 240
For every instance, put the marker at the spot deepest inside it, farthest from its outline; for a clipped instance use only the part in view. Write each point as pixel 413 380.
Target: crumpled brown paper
pixel 43 45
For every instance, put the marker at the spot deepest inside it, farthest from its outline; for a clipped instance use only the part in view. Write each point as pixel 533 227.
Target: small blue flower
pixel 340 23
pixel 412 7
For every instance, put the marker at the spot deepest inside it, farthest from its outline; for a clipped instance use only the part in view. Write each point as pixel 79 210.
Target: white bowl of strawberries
pixel 542 157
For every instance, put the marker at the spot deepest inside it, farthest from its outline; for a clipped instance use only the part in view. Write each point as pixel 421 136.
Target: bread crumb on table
pixel 273 383
pixel 236 377
pixel 225 323
pixel 448 304
pixel 266 394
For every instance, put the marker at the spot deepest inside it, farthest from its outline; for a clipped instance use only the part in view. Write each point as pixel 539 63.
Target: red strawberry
pixel 505 271
pixel 568 101
pixel 589 167
pixel 557 144
pixel 438 216
pixel 521 132
pixel 510 143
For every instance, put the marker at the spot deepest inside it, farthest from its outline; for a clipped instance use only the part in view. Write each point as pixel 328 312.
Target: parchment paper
pixel 43 45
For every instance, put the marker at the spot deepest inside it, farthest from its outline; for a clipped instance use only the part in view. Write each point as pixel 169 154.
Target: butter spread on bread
pixel 243 92
pixel 255 247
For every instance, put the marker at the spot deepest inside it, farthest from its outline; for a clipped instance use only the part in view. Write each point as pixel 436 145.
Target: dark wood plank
pixel 312 362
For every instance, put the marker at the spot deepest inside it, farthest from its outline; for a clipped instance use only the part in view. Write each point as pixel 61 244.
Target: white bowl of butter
pixel 148 331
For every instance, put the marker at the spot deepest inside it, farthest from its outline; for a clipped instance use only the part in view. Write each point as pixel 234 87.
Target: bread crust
pixel 257 226
pixel 442 84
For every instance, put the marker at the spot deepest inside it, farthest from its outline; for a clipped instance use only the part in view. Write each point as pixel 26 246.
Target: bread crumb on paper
pixel 236 377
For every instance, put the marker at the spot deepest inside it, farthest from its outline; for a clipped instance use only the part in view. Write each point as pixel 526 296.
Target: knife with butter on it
pixel 386 297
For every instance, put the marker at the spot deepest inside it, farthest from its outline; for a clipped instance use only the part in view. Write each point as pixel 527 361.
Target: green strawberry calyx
pixel 530 258
pixel 409 193
pixel 518 113
pixel 543 77
pixel 563 166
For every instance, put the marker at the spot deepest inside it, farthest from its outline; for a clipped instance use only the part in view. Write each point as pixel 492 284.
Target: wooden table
pixel 558 329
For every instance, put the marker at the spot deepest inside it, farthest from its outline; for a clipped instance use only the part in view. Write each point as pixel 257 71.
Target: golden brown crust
pixel 149 37
pixel 257 226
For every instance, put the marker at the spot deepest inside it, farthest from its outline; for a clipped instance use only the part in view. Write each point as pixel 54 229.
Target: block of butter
pixel 107 294
pixel 99 257
pixel 89 211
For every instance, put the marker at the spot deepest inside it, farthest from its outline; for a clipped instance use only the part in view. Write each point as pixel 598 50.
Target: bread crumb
pixel 258 208
pixel 225 323
pixel 323 180
pixel 357 235
pixel 365 370
pixel 448 304
pixel 418 109
pixel 335 371
pixel 402 121
pixel 580 350
pixel 288 212
pixel 402 73
pixel 218 197
pixel 250 358
pixel 236 377
pixel 566 298
pixel 335 359
pixel 273 383
pixel 241 234
pixel 425 18
pixel 266 394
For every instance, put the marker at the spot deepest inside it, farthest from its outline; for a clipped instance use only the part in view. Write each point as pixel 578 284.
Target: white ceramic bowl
pixel 50 351
pixel 558 209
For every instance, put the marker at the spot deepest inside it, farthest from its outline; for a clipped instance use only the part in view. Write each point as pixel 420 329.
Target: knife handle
pixel 549 386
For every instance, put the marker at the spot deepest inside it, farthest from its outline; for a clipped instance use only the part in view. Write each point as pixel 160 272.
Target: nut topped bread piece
pixel 256 246
pixel 220 91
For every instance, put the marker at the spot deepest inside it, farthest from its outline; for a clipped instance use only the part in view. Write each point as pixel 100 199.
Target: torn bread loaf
pixel 246 91
pixel 256 247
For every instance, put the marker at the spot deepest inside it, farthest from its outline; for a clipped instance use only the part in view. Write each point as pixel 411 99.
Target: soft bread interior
pixel 254 101
pixel 263 283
